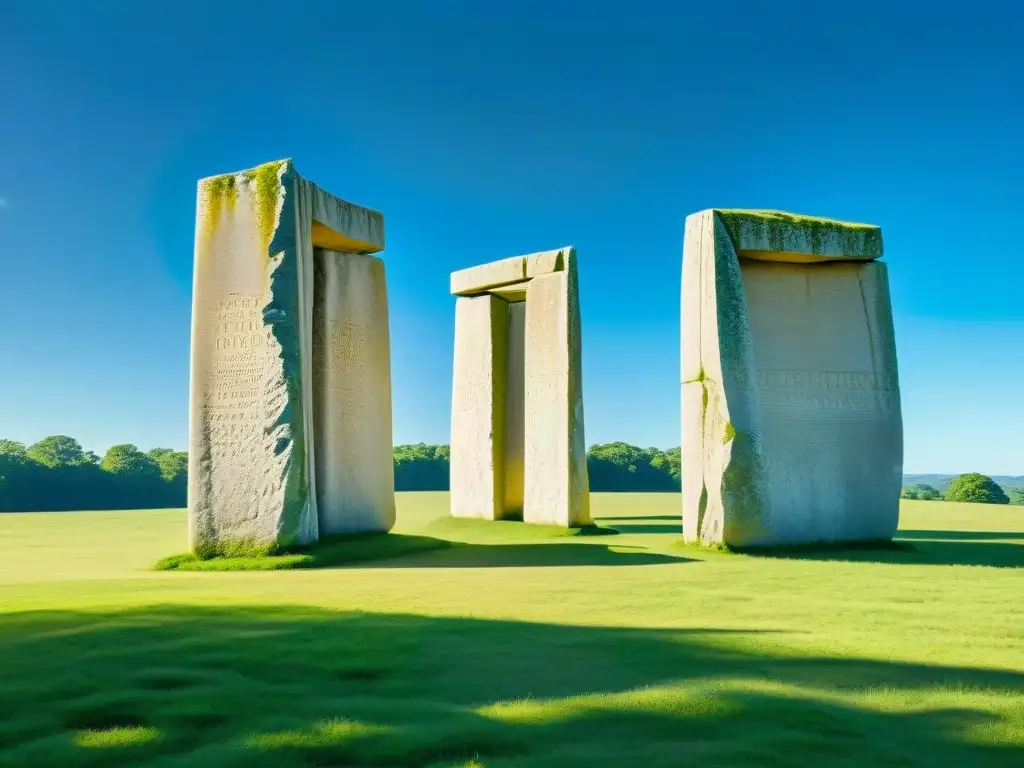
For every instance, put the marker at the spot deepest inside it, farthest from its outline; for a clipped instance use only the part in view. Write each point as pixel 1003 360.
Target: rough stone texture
pixel 787 237
pixel 251 456
pixel 518 445
pixel 792 430
pixel 557 489
pixel 478 407
pixel 515 410
pixel 517 269
pixel 355 488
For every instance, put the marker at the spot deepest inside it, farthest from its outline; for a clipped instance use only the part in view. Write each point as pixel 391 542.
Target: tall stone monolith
pixel 518 446
pixel 252 468
pixel 792 427
pixel 355 480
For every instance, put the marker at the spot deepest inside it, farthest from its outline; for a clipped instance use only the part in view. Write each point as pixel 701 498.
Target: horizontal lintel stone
pixel 517 269
pixel 788 237
pixel 337 225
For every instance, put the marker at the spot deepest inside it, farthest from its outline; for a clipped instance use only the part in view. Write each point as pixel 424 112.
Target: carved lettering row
pixel 227 340
pixel 780 379
pixel 842 401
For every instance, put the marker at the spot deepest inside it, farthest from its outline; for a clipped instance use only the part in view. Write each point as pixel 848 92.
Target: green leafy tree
pixel 60 451
pixel 624 467
pixel 976 488
pixel 70 476
pixel 173 464
pixel 921 492
pixel 128 462
pixel 133 478
pixel 174 471
pixel 17 475
pixel 1016 496
pixel 670 462
pixel 13 449
pixel 421 467
pixel 58 474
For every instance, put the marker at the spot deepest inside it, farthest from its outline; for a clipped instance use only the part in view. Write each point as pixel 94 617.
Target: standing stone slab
pixel 355 479
pixel 557 486
pixel 515 410
pixel 792 428
pixel 518 444
pixel 251 452
pixel 478 407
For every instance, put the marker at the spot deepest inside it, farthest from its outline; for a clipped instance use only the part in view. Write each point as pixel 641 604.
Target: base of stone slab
pixel 331 552
pixel 834 550
pixel 512 529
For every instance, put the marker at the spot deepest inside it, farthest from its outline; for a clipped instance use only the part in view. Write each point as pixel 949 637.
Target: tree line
pixel 58 474
pixel 971 487
pixel 612 467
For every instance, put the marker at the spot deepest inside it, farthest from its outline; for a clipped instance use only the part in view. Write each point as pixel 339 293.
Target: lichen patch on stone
pixel 781 231
pixel 266 185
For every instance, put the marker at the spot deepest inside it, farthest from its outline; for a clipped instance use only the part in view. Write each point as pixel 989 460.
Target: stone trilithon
pixel 517 443
pixel 290 428
pixel 792 427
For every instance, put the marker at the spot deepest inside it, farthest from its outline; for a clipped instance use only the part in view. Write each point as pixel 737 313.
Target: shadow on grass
pixel 552 555
pixel 396 550
pixel 513 529
pixel 328 553
pixel 675 518
pixel 664 524
pixel 909 550
pixel 962 535
pixel 667 528
pixel 285 687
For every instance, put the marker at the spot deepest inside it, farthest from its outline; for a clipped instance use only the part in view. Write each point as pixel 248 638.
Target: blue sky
pixel 484 131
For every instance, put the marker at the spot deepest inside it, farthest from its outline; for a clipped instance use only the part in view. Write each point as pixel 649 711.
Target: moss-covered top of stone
pixel 795 219
pixel 265 179
pixel 779 231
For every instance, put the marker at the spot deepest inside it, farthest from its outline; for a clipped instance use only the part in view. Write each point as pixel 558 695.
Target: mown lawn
pixel 509 648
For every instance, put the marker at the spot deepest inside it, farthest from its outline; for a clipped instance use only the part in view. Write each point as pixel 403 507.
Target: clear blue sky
pixel 488 130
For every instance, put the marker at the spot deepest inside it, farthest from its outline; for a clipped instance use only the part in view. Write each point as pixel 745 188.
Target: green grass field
pixel 514 648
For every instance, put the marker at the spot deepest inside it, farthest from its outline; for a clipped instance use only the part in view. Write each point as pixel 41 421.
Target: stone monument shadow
pixel 912 548
pixel 540 555
pixel 425 681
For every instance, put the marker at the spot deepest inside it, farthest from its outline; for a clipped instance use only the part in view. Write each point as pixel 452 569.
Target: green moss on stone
pixel 329 552
pixel 266 180
pixel 740 487
pixel 221 192
pixel 788 219
pixel 235 548
pixel 774 228
pixel 699 378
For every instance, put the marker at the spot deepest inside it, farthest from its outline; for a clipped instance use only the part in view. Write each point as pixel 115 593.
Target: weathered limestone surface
pixel 557 489
pixel 355 488
pixel 792 427
pixel 518 444
pixel 515 409
pixel 517 269
pixel 251 455
pixel 478 407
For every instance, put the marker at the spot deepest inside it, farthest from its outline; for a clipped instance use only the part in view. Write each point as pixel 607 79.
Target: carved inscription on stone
pixel 235 388
pixel 347 367
pixel 810 389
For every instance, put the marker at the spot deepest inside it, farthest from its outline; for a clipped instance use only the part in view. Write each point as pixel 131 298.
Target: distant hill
pixel 942 481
